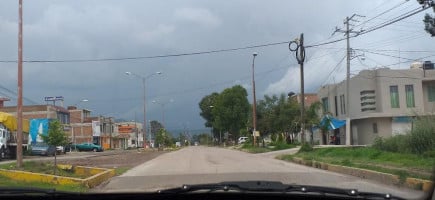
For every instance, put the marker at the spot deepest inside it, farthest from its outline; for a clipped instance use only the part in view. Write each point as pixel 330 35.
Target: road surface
pixel 198 164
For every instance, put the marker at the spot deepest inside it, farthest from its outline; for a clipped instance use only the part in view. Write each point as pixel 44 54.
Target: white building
pixel 383 102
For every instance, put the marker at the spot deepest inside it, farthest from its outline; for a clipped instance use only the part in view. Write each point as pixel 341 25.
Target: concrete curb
pixel 95 176
pixel 384 178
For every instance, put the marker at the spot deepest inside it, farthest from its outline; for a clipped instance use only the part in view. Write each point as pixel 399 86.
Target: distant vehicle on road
pixel 42 149
pixel 242 140
pixel 88 147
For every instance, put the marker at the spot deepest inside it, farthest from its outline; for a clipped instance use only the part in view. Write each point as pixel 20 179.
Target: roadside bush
pixel 283 145
pixel 420 140
pixel 398 143
pixel 422 137
pixel 306 147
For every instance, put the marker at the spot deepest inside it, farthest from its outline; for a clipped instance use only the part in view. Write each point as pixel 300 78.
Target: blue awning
pixel 332 123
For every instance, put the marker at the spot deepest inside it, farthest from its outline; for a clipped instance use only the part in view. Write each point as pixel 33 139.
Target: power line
pixel 148 57
pixel 376 27
pixel 335 68
pixel 389 50
pixel 384 12
pixel 15 94
pixel 399 18
pixel 382 54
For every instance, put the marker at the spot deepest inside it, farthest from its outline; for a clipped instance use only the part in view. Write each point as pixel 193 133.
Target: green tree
pixel 164 138
pixel 155 127
pixel 277 114
pixel 55 137
pixel 207 105
pixel 231 110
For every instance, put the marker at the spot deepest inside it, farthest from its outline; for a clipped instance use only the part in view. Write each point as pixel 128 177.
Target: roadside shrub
pixel 429 154
pixel 420 140
pixel 306 147
pixel 397 144
pixel 378 143
pixel 273 137
pixel 422 137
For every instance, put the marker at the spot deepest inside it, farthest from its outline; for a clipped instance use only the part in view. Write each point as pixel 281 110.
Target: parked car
pixel 68 147
pixel 242 140
pixel 60 150
pixel 88 147
pixel 42 149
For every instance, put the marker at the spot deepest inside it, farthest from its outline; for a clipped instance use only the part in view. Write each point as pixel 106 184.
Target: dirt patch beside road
pixel 114 159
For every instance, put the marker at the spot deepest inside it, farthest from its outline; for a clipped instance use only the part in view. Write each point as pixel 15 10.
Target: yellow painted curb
pixel 95 176
pixel 413 183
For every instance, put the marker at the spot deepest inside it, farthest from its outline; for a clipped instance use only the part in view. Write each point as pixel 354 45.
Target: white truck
pixel 8 135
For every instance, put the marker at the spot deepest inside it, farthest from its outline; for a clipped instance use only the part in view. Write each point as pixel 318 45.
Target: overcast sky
pixel 100 29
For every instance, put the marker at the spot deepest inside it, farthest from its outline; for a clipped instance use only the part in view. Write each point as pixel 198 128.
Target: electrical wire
pixel 148 57
pixel 376 27
pixel 384 12
pixel 333 70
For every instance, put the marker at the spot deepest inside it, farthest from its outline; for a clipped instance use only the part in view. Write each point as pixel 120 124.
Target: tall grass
pixel 420 141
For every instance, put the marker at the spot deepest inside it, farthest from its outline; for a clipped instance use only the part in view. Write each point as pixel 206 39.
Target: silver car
pixel 43 149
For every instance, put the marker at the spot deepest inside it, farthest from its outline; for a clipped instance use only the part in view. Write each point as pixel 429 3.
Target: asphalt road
pixel 198 164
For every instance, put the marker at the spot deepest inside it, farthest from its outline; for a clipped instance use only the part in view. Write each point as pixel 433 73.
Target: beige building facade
pixel 383 102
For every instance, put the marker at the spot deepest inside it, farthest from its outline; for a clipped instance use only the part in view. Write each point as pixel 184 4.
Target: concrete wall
pixel 365 134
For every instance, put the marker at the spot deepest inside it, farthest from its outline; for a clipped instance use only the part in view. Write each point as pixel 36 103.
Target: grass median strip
pixel 248 147
pixel 43 168
pixel 7 182
pixel 121 170
pixel 403 165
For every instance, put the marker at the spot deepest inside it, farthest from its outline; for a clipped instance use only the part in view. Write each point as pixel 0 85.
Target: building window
pixel 409 92
pixel 336 106
pixel 342 105
pixel 325 104
pixel 375 128
pixel 394 96
pixel 431 93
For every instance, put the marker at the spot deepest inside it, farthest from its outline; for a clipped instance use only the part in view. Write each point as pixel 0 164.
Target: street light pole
pixel 144 78
pixel 254 105
pixel 163 109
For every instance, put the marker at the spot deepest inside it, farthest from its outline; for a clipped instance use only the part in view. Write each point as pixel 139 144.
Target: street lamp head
pixel 290 94
pixel 158 73
pixel 128 73
pixel 255 54
pixel 84 100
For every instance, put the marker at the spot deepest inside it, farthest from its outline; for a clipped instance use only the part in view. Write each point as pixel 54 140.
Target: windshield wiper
pixel 275 187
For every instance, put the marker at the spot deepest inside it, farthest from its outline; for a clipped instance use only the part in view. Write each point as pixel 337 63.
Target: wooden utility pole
pixel 254 103
pixel 301 59
pixel 297 46
pixel 20 87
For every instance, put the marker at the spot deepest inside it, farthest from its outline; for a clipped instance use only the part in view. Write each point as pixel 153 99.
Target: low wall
pixel 385 178
pixel 95 176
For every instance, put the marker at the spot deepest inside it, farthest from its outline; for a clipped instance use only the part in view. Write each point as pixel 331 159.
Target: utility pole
pixel 254 103
pixel 20 87
pixel 297 46
pixel 348 58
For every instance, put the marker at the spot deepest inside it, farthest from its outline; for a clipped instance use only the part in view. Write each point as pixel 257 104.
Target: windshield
pixel 327 93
